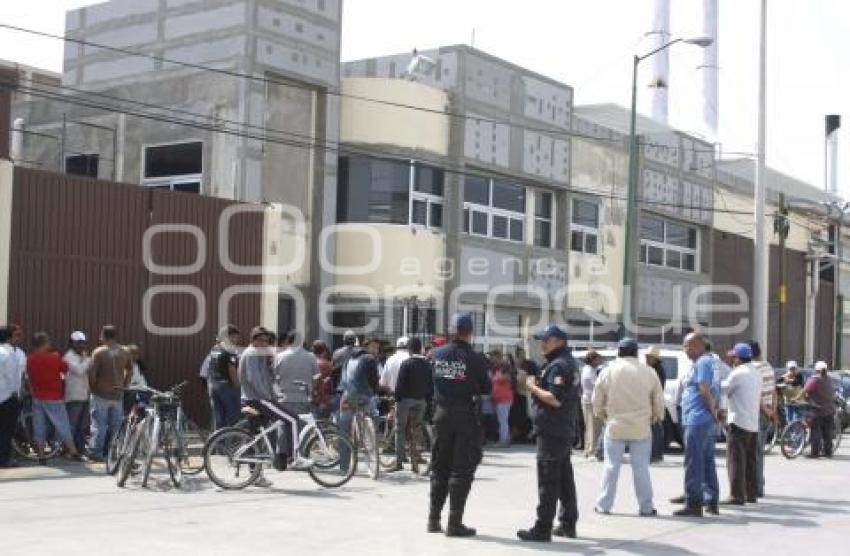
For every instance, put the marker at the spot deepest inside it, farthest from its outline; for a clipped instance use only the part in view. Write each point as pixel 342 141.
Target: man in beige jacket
pixel 629 398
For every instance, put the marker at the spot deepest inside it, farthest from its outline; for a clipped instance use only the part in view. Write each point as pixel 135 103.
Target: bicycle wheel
pixel 793 440
pixel 153 437
pixel 227 469
pixel 191 441
pixel 171 453
pixel 324 451
pixel 116 448
pixel 369 445
pixel 386 442
pixel 770 438
pixel 133 448
pixel 420 451
pixel 23 444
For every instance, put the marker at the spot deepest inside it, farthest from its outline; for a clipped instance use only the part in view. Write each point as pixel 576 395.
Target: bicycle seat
pixel 249 411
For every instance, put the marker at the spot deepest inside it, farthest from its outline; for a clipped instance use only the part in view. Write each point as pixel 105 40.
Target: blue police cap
pixel 743 351
pixel 462 322
pixel 628 345
pixel 551 331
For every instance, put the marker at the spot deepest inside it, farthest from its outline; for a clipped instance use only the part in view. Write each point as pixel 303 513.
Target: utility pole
pixel 782 226
pixel 761 247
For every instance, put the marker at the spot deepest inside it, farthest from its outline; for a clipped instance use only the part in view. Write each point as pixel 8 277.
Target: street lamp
pixel 629 278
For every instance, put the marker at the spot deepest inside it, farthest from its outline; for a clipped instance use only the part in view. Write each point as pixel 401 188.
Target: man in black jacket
pixel 414 389
pixel 460 377
pixel 556 403
pixel 653 359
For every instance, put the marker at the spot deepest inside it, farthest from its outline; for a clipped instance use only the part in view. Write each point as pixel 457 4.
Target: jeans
pixel 701 485
pixel 408 413
pixel 657 441
pixel 764 423
pixel 78 419
pixel 55 412
pixel 106 417
pixel 225 404
pixel 639 453
pixel 503 411
pixel 9 412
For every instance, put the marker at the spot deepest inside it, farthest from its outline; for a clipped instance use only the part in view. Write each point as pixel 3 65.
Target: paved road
pixel 75 509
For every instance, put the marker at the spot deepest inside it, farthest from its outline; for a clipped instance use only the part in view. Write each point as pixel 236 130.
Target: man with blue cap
pixel 460 377
pixel 556 402
pixel 743 386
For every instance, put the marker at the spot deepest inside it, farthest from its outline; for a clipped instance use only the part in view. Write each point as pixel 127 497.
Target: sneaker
pixel 301 463
pixel 599 510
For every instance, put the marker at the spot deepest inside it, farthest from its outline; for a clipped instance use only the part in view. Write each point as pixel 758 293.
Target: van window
pixel 671 367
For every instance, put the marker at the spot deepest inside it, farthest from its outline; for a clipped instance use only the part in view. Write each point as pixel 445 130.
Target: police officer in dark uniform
pixel 556 403
pixel 460 376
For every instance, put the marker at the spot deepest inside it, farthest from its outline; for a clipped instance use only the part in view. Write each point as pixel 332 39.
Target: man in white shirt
pixel 10 405
pixel 294 365
pixel 743 387
pixel 389 377
pixel 77 388
pixel 628 397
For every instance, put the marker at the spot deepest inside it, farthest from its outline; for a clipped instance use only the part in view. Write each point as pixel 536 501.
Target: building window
pixel 178 167
pixel 668 244
pixel 384 191
pixel 584 227
pixel 82 165
pixel 493 208
pixel 426 196
pixel 543 219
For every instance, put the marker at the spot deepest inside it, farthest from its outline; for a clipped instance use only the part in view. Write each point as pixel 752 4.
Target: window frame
pixel 666 247
pixel 428 198
pixel 176 179
pixel 584 229
pixel 548 221
pixel 469 208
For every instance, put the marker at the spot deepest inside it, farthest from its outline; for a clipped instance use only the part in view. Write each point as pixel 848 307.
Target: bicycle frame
pixel 311 428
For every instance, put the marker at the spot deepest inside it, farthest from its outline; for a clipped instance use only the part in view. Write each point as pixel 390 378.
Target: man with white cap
pixel 77 388
pixel 389 377
pixel 743 386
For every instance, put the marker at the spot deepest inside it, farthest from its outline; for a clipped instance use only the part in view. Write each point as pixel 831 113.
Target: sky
pixel 589 45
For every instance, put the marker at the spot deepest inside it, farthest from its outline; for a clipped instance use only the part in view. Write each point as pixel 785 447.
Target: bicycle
pixel 119 443
pixel 158 430
pixel 22 440
pixel 364 437
pixel 796 435
pixel 419 442
pixel 231 452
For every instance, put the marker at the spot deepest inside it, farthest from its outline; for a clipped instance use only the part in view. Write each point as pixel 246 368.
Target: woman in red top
pixel 323 383
pixel 46 374
pixel 503 397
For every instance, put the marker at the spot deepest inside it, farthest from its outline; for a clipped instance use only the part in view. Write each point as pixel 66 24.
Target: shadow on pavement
pixel 588 545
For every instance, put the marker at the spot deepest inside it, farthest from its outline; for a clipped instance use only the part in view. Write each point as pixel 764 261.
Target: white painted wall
pixel 372 123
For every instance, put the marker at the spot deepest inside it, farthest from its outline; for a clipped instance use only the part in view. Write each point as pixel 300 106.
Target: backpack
pixel 220 362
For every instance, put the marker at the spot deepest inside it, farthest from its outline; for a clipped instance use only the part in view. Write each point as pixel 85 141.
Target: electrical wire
pixel 267 80
pixel 343 150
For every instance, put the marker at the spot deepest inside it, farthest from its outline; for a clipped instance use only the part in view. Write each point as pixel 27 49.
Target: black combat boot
pixel 439 492
pixel 535 534
pixel 567 530
pixel 456 528
pixel 458 492
pixel 691 510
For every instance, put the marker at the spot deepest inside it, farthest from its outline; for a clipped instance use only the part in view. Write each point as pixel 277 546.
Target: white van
pixel 676 367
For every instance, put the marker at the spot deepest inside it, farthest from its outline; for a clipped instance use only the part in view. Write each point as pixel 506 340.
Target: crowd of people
pixel 606 409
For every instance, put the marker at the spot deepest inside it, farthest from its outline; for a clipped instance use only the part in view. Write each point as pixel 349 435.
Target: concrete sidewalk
pixel 76 509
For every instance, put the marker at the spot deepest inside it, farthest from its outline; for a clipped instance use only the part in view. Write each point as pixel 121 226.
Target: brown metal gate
pixel 77 264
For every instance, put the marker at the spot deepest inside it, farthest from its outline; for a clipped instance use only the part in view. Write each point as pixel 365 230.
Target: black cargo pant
pixel 555 482
pixel 823 430
pixel 9 411
pixel 741 447
pixel 455 456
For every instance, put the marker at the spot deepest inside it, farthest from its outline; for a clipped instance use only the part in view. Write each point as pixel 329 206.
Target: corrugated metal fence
pixel 77 264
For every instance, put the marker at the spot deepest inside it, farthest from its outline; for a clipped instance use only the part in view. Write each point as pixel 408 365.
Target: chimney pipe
pixel 710 69
pixel 661 61
pixel 833 123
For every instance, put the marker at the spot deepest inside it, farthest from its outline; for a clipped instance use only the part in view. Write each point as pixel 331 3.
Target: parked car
pixel 676 364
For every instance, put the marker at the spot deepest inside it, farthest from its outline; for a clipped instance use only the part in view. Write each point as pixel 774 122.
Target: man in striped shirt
pixel 768 410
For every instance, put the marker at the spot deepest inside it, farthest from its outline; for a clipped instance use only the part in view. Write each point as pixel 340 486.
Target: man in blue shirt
pixel 700 399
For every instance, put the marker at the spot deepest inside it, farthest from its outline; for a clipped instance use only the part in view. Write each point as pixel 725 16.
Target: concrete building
pixel 496 206
pixel 254 128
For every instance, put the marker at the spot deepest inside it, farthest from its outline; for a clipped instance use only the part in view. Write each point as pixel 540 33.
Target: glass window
pixel 466 220
pixel 500 227
pixel 585 213
pixel 674 258
pixel 373 190
pixel 516 229
pixel 508 196
pixel 174 160
pixel 428 179
pixel 590 241
pixel 419 214
pixel 82 165
pixel 542 233
pixel 652 229
pixel 543 204
pixel 476 190
pixel 436 218
pixel 689 262
pixel 577 241
pixel 479 223
pixel 679 235
pixel 655 255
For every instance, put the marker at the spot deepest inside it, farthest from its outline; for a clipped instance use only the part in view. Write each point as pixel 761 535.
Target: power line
pixel 267 80
pixel 343 150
